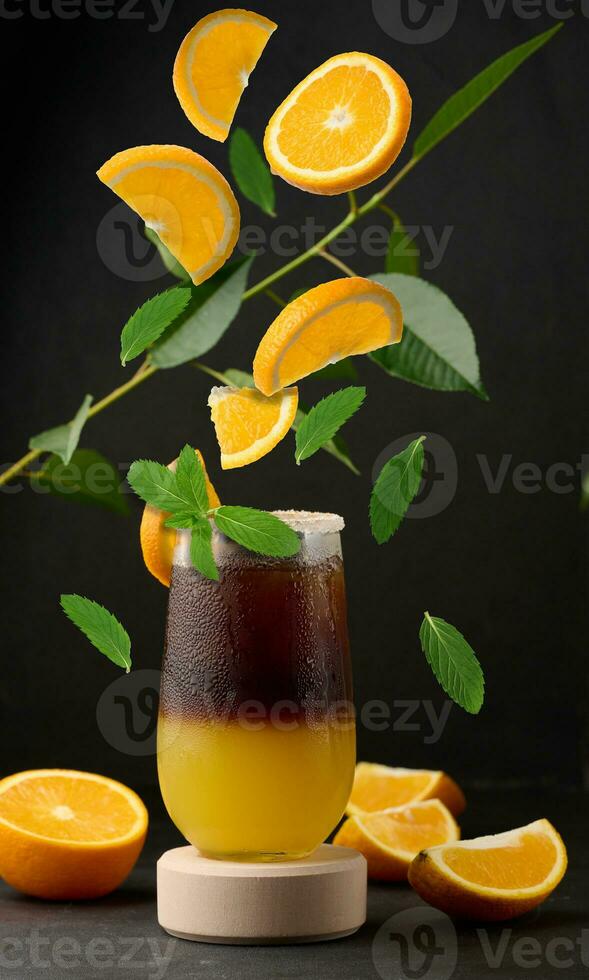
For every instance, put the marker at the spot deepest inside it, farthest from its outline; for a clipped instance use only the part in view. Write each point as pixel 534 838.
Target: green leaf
pixel 402 252
pixel 183 520
pixel 454 663
pixel 395 488
pixel 63 439
pixel 212 308
pixel 157 485
pixel 239 379
pixel 584 501
pixel 190 480
pixel 324 420
pixel 258 531
pixel 438 348
pixel 343 370
pixel 464 102
pixel 251 172
pixel 170 263
pixel 100 626
pixel 149 322
pixel 201 550
pixel 88 478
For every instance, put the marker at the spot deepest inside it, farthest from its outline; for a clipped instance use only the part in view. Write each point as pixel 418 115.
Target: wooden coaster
pixel 319 897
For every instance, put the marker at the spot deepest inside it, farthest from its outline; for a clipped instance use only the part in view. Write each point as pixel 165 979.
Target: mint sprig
pixel 453 662
pixel 258 531
pixel 149 322
pixel 325 419
pixel 395 488
pixel 100 626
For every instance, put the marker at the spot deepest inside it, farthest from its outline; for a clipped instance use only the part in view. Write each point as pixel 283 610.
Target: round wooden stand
pixel 319 897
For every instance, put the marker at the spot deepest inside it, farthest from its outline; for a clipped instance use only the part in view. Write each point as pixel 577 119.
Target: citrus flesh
pixel 157 540
pixel 213 66
pixel 248 424
pixel 324 325
pixel 341 127
pixel 183 198
pixel 492 878
pixel 390 839
pixel 378 787
pixel 66 834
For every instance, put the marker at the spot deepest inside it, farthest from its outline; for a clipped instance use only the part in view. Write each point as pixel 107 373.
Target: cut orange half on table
pixel 390 839
pixel 183 198
pixel 325 325
pixel 66 834
pixel 379 787
pixel 492 878
pixel 249 425
pixel 158 541
pixel 341 127
pixel 213 66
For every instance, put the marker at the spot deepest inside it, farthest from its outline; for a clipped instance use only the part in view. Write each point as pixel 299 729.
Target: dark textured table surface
pixel 403 938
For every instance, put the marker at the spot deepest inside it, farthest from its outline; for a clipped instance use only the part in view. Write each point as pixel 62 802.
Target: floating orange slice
pixel 66 834
pixel 379 787
pixel 213 65
pixel 492 878
pixel 249 425
pixel 158 541
pixel 324 325
pixel 390 839
pixel 183 198
pixel 341 127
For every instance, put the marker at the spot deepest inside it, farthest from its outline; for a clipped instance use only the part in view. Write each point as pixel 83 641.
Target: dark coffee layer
pixel 265 633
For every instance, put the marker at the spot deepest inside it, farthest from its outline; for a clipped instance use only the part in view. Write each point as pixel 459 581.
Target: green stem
pixel 210 371
pixel 275 298
pixel 337 262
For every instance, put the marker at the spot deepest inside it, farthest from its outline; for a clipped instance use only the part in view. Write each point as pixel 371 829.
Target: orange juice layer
pixel 260 794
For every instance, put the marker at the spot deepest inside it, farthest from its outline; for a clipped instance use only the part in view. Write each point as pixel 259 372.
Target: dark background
pixel 507 568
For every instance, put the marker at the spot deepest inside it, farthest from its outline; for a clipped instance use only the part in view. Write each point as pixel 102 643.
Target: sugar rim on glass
pixel 311 521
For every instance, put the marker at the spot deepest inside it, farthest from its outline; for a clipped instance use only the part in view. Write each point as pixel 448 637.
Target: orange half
pixel 492 878
pixel 379 787
pixel 183 198
pixel 213 66
pixel 341 127
pixel 249 425
pixel 323 326
pixel 66 834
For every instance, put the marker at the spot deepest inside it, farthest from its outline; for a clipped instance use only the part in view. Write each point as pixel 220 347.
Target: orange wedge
pixel 390 839
pixel 183 198
pixel 213 66
pixel 324 325
pixel 492 878
pixel 158 541
pixel 249 425
pixel 379 787
pixel 341 127
pixel 66 834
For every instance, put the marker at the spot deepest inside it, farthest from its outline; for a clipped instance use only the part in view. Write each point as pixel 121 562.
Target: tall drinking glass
pixel 256 737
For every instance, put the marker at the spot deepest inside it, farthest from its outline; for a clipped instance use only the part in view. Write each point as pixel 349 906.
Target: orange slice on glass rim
pixel 492 878
pixel 158 541
pixel 341 127
pixel 213 66
pixel 378 787
pixel 249 425
pixel 324 325
pixel 390 839
pixel 66 834
pixel 183 198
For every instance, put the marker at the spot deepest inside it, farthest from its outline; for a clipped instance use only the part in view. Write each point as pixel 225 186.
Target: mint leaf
pixel 100 626
pixel 150 320
pixel 201 550
pixel 183 520
pixel 402 252
pixel 454 662
pixel 88 478
pixel 437 349
pixel 190 480
pixel 258 531
pixel 157 485
pixel 63 439
pixel 324 420
pixel 395 488
pixel 170 263
pixel 251 172
pixel 464 102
